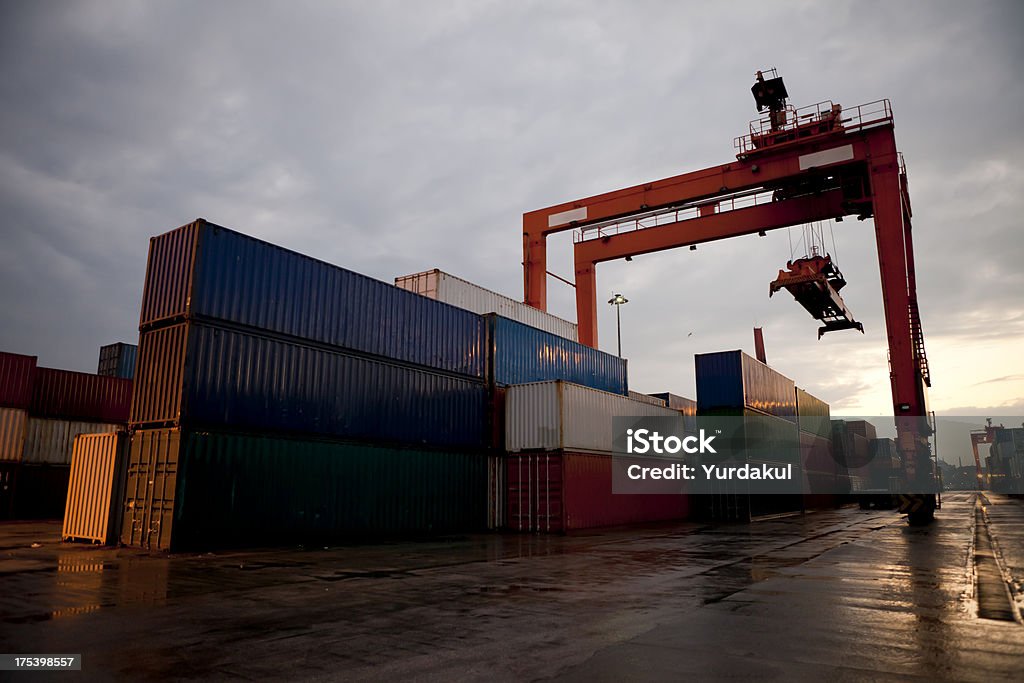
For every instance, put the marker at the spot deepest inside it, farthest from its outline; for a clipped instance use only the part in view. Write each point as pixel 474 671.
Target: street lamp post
pixel 617 300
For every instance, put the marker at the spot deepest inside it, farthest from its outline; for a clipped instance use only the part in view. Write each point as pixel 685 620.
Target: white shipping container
pixel 441 286
pixel 96 488
pixel 12 434
pixel 51 441
pixel 559 415
pixel 646 398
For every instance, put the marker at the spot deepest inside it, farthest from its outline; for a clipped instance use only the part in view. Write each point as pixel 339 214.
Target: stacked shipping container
pixel 41 412
pixel 822 475
pixel 559 441
pixel 442 286
pixel 731 383
pixel 117 360
pixel 686 406
pixel 852 449
pixel 246 343
pixel 886 465
pixel 264 376
pixel 1005 462
pixel 520 354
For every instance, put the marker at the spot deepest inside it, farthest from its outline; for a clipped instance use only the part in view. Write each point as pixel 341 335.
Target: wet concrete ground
pixel 844 595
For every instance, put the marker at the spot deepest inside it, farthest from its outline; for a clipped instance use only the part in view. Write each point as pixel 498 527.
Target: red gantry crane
pixel 795 166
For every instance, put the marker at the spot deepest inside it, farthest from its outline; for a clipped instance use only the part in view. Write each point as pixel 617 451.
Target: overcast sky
pixel 393 137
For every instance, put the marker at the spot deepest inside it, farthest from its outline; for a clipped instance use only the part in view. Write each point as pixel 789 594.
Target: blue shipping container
pixel 117 360
pixel 521 354
pixel 732 380
pixel 202 375
pixel 204 271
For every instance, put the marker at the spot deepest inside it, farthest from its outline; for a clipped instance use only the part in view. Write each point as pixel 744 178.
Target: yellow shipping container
pixel 96 488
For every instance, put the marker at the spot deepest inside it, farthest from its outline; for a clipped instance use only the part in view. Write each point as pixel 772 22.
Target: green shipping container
pixel 195 490
pixel 812 414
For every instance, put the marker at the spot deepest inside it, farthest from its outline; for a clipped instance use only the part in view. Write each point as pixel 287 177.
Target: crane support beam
pixel 706 228
pixel 698 186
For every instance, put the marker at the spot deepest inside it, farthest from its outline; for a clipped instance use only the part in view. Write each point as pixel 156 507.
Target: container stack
pixel 851 444
pixel 43 410
pixel 886 468
pixel 822 474
pixel 1005 462
pixel 440 286
pixel 117 360
pixel 527 346
pixel 686 406
pixel 280 398
pixel 559 441
pixel 733 384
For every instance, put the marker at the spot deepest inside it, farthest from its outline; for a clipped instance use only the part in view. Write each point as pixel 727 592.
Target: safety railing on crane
pixel 673 214
pixel 814 119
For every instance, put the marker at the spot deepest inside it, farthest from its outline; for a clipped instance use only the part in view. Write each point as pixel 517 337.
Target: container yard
pixel 245 445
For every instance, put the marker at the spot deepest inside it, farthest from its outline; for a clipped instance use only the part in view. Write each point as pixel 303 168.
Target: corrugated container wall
pixel 687 406
pixel 521 354
pixel 78 395
pixel 52 441
pixel 96 488
pixel 862 428
pixel 813 414
pixel 853 454
pixel 204 271
pixel 117 360
pixel 16 378
pixel 731 381
pixel 12 434
pixel 821 472
pixel 441 286
pixel 647 398
pixel 561 491
pixel 228 489
pixel 200 375
pixel 564 416
pixel 885 463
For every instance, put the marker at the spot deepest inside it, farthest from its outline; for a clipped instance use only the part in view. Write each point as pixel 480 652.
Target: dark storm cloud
pixel 396 137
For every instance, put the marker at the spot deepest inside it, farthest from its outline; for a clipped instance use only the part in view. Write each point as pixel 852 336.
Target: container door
pixel 535 496
pixel 150 489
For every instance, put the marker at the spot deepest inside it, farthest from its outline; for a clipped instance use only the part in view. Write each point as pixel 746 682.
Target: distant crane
pixel 980 436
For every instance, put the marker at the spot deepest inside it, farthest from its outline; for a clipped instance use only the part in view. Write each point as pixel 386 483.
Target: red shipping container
pixel 559 491
pixel 822 474
pixel 80 396
pixel 16 373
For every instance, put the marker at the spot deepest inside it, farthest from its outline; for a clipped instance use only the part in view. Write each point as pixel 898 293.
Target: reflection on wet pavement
pixel 858 593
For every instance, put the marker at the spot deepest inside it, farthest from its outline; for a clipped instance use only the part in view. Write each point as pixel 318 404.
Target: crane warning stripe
pixel 826 157
pixel 579 214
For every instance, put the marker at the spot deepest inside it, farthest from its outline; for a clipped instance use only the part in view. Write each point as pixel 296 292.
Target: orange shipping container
pixel 96 488
pixel 12 434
